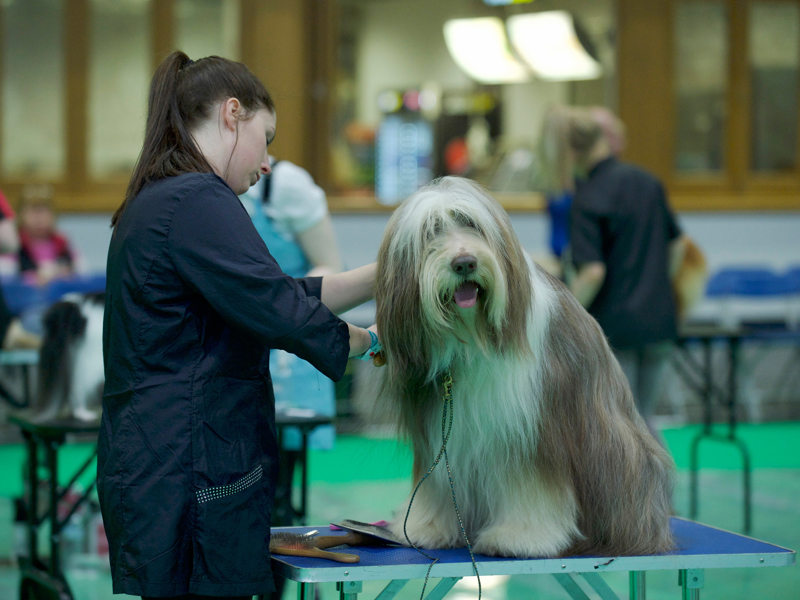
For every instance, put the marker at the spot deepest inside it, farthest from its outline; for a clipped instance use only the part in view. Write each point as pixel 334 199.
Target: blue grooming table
pixel 699 547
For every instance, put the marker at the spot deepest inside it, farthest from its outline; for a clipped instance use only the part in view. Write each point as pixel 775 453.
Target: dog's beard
pixel 457 331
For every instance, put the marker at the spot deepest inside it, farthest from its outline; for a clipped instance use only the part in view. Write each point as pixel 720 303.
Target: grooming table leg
pixel 445 585
pixel 305 590
pixel 691 580
pixel 348 590
pixel 600 586
pixel 637 587
pixel 390 591
pixel 567 581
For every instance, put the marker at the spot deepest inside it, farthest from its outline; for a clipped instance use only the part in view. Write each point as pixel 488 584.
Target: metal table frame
pixel 400 565
pixel 306 421
pixel 48 577
pixel 24 359
pixel 699 375
pixel 38 576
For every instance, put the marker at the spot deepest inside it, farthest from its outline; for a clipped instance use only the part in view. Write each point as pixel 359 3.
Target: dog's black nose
pixel 464 264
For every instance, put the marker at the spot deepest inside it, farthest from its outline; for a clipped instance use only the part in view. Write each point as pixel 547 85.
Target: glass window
pixel 207 27
pixel 119 77
pixel 774 53
pixel 701 84
pixel 33 136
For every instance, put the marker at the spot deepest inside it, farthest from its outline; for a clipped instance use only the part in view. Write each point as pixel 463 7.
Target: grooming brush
pixel 351 538
pixel 294 544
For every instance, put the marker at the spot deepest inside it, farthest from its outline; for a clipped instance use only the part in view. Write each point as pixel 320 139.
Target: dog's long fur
pixel 71 373
pixel 548 453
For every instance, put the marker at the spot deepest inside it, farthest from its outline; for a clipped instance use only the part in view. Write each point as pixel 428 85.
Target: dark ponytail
pixel 183 93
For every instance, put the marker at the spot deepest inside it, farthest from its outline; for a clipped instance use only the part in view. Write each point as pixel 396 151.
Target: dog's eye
pixel 464 220
pixel 434 229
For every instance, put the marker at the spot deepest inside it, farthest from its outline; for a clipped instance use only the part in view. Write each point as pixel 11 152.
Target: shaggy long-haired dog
pixel 548 454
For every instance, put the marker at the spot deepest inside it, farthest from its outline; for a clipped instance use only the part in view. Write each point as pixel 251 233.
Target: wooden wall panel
pixel 77 40
pixel 162 27
pixel 645 82
pixel 275 48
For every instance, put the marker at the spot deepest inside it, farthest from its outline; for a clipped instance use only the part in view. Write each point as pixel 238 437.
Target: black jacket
pixel 620 216
pixel 188 450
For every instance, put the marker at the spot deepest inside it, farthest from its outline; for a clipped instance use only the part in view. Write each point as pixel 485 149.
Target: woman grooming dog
pixel 188 452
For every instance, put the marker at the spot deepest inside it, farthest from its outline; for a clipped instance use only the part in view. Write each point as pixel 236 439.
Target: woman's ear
pixel 231 113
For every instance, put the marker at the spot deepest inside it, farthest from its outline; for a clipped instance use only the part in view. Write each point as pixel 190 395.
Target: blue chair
pixel 20 296
pixel 792 277
pixel 747 282
pixel 81 284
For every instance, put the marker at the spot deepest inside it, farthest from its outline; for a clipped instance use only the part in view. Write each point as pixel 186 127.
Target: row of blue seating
pixel 750 281
pixel 20 295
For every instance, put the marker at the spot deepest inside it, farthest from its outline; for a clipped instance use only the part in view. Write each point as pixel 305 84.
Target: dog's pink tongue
pixel 466 295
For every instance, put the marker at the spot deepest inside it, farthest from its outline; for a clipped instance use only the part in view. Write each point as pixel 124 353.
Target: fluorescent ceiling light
pixel 480 48
pixel 547 41
pixel 505 2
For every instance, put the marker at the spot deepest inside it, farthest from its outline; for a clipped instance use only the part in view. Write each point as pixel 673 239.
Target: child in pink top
pixel 44 253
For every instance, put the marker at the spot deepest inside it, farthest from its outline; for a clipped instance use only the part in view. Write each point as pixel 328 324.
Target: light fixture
pixel 480 48
pixel 550 43
pixel 505 2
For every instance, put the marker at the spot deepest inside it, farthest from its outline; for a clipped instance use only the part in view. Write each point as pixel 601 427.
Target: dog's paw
pixel 425 535
pixel 520 542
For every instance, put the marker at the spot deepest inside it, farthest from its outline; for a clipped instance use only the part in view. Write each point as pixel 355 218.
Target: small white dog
pixel 71 374
pixel 548 453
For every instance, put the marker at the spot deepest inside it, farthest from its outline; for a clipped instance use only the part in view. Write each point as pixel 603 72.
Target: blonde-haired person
pixel 625 245
pixel 558 169
pixel 188 452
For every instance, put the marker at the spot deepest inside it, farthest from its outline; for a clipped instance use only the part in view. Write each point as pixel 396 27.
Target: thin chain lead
pixel 447 427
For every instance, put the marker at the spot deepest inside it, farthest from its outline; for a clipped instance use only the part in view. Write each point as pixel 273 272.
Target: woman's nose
pixel 266 169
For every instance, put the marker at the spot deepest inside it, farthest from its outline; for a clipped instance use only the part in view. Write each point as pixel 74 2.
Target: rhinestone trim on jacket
pixel 221 491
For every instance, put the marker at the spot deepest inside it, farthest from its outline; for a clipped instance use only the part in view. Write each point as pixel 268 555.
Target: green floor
pixel 366 478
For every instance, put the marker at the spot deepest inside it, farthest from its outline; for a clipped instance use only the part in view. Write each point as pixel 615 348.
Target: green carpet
pixel 358 458
pixel 771 446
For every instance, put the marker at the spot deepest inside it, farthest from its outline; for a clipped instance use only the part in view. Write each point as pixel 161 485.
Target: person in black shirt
pixel 188 451
pixel 626 246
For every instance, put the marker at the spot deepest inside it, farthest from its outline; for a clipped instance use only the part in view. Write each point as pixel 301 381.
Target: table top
pixel 19 357
pixel 55 428
pixel 698 547
pixel 300 417
pixel 750 332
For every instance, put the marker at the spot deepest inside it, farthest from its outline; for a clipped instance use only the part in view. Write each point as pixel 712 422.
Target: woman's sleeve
pixel 217 251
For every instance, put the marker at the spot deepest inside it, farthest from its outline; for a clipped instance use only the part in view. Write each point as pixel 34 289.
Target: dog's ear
pixel 398 316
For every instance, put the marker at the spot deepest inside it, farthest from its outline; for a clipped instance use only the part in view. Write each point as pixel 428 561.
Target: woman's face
pixel 249 159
